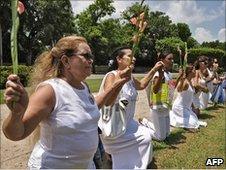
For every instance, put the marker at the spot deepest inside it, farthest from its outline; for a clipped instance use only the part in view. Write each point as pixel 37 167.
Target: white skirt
pixel 159 118
pixel 133 150
pixel 183 117
pixel 204 99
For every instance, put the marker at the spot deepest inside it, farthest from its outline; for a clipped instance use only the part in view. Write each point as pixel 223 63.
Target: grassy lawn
pixel 185 149
pixel 94 84
pixel 1 96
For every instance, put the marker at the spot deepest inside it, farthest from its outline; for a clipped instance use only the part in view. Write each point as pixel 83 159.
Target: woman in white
pixel 201 95
pixel 133 149
pixel 182 114
pixel 206 79
pixel 63 106
pixel 159 93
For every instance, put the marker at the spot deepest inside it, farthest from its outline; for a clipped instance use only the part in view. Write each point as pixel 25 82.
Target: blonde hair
pixel 48 65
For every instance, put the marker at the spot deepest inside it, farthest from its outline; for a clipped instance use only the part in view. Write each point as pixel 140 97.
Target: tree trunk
pixel 29 58
pixel 94 69
pixel 1 60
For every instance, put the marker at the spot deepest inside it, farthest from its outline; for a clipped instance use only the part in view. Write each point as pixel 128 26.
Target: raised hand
pixel 159 66
pixel 126 73
pixel 15 95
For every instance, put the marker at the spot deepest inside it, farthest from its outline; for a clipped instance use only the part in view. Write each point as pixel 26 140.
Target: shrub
pixel 171 44
pixel 23 73
pixel 209 52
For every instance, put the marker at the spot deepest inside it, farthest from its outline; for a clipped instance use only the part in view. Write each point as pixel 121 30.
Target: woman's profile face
pixel 124 61
pixel 168 61
pixel 203 64
pixel 193 72
pixel 81 62
pixel 215 63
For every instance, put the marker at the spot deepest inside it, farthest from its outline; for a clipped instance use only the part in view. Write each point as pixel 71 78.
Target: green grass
pixel 184 149
pixel 1 96
pixel 94 84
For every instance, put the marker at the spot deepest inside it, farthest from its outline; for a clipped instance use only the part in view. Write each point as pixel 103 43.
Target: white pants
pixel 136 157
pixel 161 123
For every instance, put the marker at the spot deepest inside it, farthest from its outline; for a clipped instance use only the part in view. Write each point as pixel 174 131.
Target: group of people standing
pixel 68 114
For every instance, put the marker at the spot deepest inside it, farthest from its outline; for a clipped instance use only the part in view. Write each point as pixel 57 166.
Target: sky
pixel 206 18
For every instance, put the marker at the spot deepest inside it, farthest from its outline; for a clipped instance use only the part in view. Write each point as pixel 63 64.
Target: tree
pixel 41 25
pixel 209 52
pixel 183 31
pixel 91 25
pixel 5 17
pixel 215 44
pixel 159 26
pixel 192 43
pixel 171 44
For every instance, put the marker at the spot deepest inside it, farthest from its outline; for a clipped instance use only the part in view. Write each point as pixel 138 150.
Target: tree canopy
pixel 41 25
pixel 44 22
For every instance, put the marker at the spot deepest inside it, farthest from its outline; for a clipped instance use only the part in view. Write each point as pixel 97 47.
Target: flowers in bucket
pixel 17 7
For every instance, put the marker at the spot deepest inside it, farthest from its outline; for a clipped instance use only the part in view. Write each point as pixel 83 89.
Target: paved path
pixel 100 76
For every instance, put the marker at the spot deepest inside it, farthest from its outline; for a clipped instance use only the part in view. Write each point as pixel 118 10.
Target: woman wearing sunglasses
pixel 61 104
pixel 203 84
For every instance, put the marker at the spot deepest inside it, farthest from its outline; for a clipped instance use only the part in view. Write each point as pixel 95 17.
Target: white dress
pixel 197 98
pixel 182 114
pixel 205 97
pixel 132 150
pixel 69 136
pixel 159 120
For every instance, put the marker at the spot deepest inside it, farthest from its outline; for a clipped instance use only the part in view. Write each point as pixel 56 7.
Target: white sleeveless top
pixel 182 114
pixel 129 92
pixel 133 149
pixel 185 98
pixel 69 136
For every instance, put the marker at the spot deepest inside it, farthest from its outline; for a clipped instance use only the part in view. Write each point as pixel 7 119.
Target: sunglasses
pixel 205 62
pixel 88 56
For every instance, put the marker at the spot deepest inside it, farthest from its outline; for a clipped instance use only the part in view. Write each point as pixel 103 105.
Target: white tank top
pixel 185 98
pixel 69 137
pixel 128 91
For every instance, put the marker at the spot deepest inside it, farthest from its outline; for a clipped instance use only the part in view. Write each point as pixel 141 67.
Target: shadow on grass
pixel 176 137
pixel 215 107
pixel 205 116
pixel 152 165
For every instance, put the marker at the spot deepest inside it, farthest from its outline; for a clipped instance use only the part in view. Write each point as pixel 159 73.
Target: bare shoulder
pixel 43 98
pixel 44 92
pixel 110 77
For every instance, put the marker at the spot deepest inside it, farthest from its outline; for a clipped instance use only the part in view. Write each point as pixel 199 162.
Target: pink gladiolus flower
pixel 20 7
